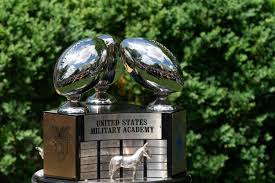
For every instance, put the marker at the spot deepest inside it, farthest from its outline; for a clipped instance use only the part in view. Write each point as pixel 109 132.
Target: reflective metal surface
pixel 88 145
pixel 157 173
pixel 109 143
pixel 139 174
pixel 159 158
pixel 122 126
pixel 88 168
pixel 111 72
pixel 128 161
pixel 154 67
pixel 157 143
pixel 88 160
pixel 78 69
pixel 157 166
pixel 109 151
pixel 88 175
pixel 88 152
pixel 115 108
pixel 41 152
pixel 133 143
pixel 38 177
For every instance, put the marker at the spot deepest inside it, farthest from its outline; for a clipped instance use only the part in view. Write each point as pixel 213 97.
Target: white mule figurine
pixel 128 161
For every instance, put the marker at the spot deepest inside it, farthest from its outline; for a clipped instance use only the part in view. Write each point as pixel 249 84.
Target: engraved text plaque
pixel 122 126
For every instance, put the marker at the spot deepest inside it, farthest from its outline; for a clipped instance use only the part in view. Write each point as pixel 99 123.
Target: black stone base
pixel 38 177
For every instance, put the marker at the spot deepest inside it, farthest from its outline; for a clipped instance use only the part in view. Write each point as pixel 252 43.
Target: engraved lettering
pixel 123 126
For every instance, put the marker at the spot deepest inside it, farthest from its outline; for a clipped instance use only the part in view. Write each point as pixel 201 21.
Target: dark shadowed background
pixel 227 55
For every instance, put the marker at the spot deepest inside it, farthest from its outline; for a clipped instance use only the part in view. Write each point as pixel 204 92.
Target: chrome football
pixel 112 71
pixel 79 69
pixel 154 67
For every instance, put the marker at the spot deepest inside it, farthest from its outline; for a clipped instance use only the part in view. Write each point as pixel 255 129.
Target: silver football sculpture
pixel 130 162
pixel 79 69
pixel 154 67
pixel 111 73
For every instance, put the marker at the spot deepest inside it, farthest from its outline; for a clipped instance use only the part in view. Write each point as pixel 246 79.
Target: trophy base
pixel 38 177
pixel 101 98
pixel 80 147
pixel 161 105
pixel 69 108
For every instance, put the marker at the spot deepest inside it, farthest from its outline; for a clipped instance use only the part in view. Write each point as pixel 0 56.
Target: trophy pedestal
pixel 38 177
pixel 80 147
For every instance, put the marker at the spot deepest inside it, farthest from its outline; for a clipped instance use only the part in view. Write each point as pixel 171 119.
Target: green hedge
pixel 226 50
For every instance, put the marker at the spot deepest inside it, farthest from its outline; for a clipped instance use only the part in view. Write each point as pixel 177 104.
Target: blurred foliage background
pixel 227 54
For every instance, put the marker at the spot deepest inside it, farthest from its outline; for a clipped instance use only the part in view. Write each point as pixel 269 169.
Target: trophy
pixel 115 141
pixel 77 70
pixel 111 73
pixel 153 66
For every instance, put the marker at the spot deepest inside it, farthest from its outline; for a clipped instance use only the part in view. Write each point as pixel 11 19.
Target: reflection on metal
pixel 133 143
pixel 156 150
pixel 159 158
pixel 154 67
pixel 111 72
pixel 109 143
pixel 88 168
pixel 139 174
pixel 104 166
pixel 105 175
pixel 128 161
pixel 109 151
pixel 88 175
pixel 105 159
pixel 88 145
pixel 41 152
pixel 88 152
pixel 119 126
pixel 157 143
pixel 88 160
pixel 157 166
pixel 78 69
pixel 157 173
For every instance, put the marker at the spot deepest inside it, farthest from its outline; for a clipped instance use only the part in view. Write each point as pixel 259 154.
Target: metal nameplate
pixel 109 143
pixel 109 151
pixel 157 143
pixel 133 143
pixel 88 175
pixel 129 150
pixel 105 174
pixel 104 166
pixel 159 158
pixel 129 174
pixel 105 159
pixel 88 168
pixel 122 126
pixel 88 145
pixel 157 173
pixel 88 152
pixel 157 166
pixel 88 160
pixel 157 150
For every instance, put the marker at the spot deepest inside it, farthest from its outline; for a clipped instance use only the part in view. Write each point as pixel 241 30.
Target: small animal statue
pixel 128 161
pixel 41 152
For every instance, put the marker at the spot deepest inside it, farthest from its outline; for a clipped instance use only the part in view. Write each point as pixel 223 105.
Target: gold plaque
pixel 59 134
